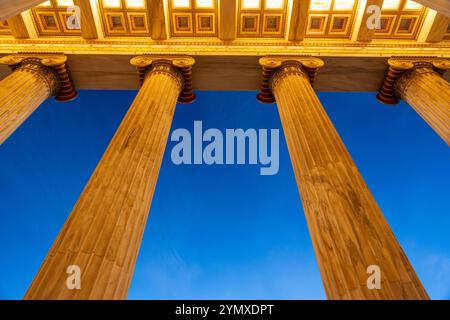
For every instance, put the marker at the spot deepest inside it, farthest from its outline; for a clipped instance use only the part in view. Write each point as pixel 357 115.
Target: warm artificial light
pixel 318 5
pixel 250 4
pixel 111 3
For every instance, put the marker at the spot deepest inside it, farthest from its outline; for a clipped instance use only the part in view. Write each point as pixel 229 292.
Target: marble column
pixel 428 93
pixel 348 230
pixel 103 233
pixel 419 82
pixel 22 92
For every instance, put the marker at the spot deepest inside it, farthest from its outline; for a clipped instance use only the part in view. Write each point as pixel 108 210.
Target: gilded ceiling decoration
pixel 51 18
pixel 400 19
pixel 262 18
pixel 193 18
pixel 259 21
pixel 331 18
pixel 125 17
pixel 4 28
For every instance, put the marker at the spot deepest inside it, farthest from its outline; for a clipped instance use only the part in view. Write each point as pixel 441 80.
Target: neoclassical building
pixel 286 49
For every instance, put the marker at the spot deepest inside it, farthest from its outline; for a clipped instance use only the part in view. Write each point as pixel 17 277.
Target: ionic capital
pixel 402 70
pixel 178 67
pixel 275 68
pixel 50 67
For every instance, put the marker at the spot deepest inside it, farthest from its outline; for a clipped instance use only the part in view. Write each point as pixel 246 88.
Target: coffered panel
pixel 262 18
pixel 125 18
pixel 4 28
pixel 56 18
pixel 447 33
pixel 193 18
pixel 331 18
pixel 400 19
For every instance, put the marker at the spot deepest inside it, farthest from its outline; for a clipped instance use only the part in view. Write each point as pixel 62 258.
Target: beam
pixel 88 28
pixel 438 28
pixel 366 30
pixel 157 19
pixel 18 27
pixel 29 23
pixel 230 72
pixel 441 6
pixel 227 20
pixel 299 20
pixel 97 19
pixel 10 8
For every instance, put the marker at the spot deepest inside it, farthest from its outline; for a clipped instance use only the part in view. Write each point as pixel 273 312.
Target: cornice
pixel 216 47
pixel 218 42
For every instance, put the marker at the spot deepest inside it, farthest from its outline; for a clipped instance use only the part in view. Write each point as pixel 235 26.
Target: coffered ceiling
pixel 52 18
pixel 262 18
pixel 400 19
pixel 331 18
pixel 193 18
pixel 124 18
pixel 207 19
pixel 4 28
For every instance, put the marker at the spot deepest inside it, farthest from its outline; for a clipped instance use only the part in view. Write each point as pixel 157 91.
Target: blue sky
pixel 223 232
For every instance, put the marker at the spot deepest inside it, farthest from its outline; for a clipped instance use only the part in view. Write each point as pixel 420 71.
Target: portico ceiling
pixel 227 37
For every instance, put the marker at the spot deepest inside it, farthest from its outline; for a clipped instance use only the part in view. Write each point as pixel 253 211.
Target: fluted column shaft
pixel 348 230
pixel 22 92
pixel 427 92
pixel 104 231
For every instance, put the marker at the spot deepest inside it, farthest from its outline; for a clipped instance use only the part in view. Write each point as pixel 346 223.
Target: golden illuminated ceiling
pixel 331 18
pixel 262 18
pixel 400 19
pixel 256 20
pixel 193 18
pixel 4 28
pixel 124 17
pixel 51 18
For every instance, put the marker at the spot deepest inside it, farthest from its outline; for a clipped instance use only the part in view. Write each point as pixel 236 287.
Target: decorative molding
pixel 179 67
pixel 315 47
pixel 273 65
pixel 400 71
pixel 217 42
pixel 55 62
